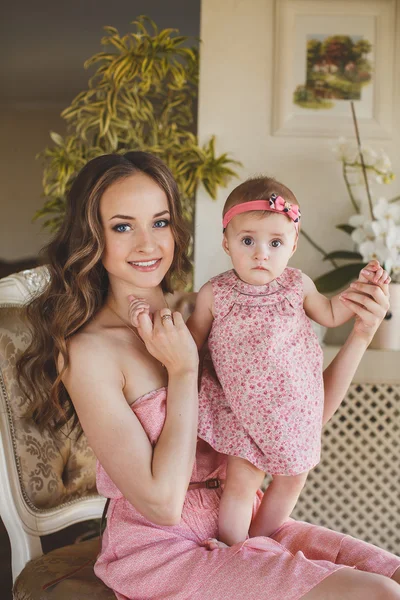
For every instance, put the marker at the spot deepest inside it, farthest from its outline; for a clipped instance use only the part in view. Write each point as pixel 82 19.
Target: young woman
pixel 134 392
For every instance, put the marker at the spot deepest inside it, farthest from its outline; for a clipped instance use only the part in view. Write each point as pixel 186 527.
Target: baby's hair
pixel 258 188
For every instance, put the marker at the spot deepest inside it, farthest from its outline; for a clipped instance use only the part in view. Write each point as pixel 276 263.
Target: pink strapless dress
pixel 143 561
pixel 269 363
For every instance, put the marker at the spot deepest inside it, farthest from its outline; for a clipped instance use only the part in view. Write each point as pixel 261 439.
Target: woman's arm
pixel 154 480
pixel 370 304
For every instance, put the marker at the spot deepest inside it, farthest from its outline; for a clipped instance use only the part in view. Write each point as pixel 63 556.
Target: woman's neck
pixel 117 298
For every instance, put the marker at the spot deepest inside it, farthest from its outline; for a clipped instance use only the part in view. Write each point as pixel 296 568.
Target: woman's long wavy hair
pixel 78 282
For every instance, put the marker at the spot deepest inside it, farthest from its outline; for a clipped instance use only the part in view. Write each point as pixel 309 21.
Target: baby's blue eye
pixel 121 227
pixel 161 223
pixel 247 241
pixel 276 243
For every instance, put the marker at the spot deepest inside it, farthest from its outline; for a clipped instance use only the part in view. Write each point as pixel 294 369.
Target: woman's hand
pixel 168 339
pixel 368 298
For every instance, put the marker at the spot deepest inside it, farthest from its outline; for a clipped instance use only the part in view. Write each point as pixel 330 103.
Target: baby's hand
pixel 213 544
pixel 136 307
pixel 374 273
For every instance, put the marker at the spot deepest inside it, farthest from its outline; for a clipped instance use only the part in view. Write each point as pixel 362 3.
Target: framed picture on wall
pixel 327 53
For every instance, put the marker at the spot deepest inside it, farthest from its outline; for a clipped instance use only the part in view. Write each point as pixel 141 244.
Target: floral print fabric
pixel 269 363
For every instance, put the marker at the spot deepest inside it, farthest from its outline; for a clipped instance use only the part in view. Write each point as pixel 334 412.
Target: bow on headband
pixel 274 204
pixel 280 205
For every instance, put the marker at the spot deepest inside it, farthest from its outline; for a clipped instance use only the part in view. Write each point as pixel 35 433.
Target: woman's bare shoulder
pixel 92 344
pixel 96 334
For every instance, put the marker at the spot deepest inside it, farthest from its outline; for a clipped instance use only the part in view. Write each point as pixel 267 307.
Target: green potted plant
pixel 142 96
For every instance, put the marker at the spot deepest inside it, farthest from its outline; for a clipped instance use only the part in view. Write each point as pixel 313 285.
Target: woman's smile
pixel 146 265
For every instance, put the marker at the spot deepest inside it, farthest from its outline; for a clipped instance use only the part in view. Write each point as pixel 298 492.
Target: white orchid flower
pixel 383 162
pixel 359 236
pixel 345 150
pixel 375 249
pixel 384 210
pixel 382 227
pixel 388 265
pixel 358 220
pixel 369 155
pixel 363 229
pixel 392 263
pixel 393 236
pixel 372 176
pixel 375 236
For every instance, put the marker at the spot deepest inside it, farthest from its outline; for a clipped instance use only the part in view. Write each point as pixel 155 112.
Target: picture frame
pixel 327 53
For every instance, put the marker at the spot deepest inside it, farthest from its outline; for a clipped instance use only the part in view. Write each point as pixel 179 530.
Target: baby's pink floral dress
pixel 269 363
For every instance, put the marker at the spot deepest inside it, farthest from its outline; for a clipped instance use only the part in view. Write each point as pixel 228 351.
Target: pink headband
pixel 274 204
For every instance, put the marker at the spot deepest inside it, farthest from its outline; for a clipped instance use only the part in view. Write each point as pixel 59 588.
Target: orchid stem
pixel 364 170
pixel 324 254
pixel 396 199
pixel 348 185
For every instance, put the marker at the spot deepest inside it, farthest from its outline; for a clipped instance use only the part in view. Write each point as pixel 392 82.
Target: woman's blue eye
pixel 121 227
pixel 276 243
pixel 161 223
pixel 247 241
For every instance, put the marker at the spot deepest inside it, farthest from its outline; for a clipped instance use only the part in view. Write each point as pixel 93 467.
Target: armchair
pixel 47 480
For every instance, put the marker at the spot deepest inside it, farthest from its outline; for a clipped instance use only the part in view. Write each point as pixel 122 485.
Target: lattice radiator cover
pixel 356 487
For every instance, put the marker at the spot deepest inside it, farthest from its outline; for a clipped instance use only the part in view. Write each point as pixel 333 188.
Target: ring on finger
pixel 166 317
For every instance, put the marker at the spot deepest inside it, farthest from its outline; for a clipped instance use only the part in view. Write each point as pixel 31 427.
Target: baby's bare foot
pixel 214 544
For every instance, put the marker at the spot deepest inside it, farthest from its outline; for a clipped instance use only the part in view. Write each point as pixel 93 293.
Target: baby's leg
pixel 277 504
pixel 242 482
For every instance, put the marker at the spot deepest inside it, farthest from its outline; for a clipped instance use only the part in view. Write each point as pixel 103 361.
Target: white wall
pixel 236 89
pixel 23 134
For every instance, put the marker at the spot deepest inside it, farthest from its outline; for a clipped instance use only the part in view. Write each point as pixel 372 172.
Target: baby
pixel 266 356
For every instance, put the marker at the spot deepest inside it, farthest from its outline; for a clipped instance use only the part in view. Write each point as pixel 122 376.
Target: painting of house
pixel 337 68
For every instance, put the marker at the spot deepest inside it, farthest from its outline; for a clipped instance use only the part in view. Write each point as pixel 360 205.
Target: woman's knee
pixel 349 584
pixel 393 589
pixel 389 590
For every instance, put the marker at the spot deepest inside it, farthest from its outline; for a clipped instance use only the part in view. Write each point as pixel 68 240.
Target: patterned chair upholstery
pixel 47 480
